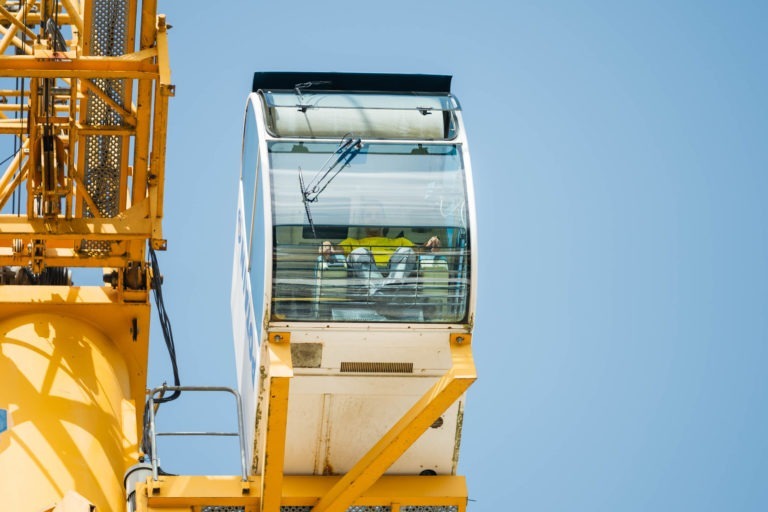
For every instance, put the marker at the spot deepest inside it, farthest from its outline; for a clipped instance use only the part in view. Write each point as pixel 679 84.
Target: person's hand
pixel 327 250
pixel 433 244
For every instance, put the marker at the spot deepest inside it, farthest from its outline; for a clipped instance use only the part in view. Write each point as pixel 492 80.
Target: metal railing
pixel 153 433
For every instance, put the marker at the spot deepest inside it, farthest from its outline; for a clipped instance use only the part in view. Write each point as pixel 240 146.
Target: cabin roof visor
pixel 368 115
pixel 371 82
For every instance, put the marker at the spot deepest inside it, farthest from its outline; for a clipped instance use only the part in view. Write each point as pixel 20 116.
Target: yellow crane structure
pixel 350 386
pixel 83 110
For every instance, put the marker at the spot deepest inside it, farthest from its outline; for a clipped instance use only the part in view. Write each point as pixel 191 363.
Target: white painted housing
pixel 366 344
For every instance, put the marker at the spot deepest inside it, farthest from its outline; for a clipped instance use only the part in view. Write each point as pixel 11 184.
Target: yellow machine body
pixel 70 389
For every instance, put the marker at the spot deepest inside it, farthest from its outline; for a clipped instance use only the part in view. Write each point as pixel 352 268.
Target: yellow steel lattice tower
pixel 84 90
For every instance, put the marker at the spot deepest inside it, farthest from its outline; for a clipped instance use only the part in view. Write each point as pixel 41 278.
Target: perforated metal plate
pixel 223 509
pixel 103 154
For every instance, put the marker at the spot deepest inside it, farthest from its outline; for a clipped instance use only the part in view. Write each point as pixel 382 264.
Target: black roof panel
pixel 372 82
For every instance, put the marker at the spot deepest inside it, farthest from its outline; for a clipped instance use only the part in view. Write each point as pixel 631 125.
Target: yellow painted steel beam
pixel 185 492
pixel 6 180
pixel 13 93
pixel 280 371
pixel 70 258
pixel 127 115
pixel 10 34
pixel 157 159
pixel 104 130
pixel 6 15
pixel 11 107
pixel 127 66
pixel 147 39
pixel 131 224
pixel 86 35
pixel 163 61
pixel 34 137
pixel 163 91
pixel 7 192
pixel 84 193
pixel 406 431
pixel 34 18
pixel 15 41
pixel 13 126
pixel 156 239
pixel 75 18
pixel 117 228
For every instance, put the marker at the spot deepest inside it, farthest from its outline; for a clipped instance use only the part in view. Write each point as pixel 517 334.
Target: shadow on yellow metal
pixel 191 493
pixel 70 387
pixel 72 502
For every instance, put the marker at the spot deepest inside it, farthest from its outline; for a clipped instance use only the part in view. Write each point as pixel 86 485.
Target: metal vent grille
pixel 427 508
pixel 359 508
pixel 215 508
pixel 374 367
pixel 103 154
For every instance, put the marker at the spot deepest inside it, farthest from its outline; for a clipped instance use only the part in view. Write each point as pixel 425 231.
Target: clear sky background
pixel 619 152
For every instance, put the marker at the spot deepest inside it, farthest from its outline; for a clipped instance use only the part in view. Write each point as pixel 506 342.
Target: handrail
pixel 154 433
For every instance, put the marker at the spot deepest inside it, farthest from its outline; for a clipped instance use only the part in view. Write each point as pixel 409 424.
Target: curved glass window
pixel 249 170
pixel 369 232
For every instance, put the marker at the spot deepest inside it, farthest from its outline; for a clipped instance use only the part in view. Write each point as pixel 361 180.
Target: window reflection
pixel 389 243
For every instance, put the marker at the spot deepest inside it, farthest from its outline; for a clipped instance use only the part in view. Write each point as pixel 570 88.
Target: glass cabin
pixel 356 200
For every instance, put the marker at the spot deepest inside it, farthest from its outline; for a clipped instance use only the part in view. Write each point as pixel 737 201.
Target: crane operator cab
pixel 355 241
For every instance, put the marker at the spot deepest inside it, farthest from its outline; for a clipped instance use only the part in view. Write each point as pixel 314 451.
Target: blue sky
pixel 620 169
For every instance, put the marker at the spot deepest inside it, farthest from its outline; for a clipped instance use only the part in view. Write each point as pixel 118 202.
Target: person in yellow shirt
pixel 380 247
pixel 367 256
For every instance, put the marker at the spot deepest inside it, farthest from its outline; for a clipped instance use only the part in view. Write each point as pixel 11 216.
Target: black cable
pixel 165 325
pixel 15 152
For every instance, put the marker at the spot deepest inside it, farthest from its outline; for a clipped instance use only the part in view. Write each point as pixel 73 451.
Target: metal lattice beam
pixel 91 165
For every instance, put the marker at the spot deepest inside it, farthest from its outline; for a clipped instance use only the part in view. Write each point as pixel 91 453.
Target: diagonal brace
pixel 406 431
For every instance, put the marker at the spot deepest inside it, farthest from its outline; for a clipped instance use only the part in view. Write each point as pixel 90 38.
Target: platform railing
pixel 153 433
